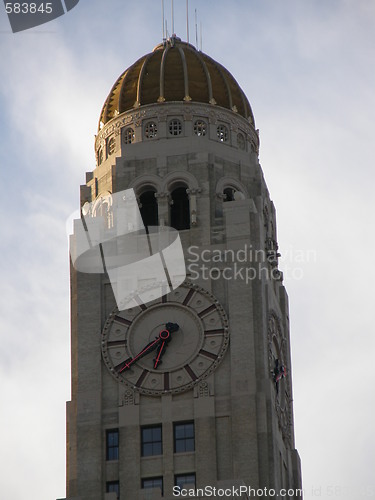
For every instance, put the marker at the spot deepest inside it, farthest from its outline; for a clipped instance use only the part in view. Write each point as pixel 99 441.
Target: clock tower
pixel 190 391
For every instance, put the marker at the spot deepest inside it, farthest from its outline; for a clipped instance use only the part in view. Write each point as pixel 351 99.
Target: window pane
pixel 189 430
pixel 113 486
pixel 112 441
pixel 154 482
pixel 180 446
pixel 156 449
pixel 184 437
pixel 147 435
pixel 184 479
pixel 189 444
pixel 156 434
pixel 113 438
pixel 113 454
pixel 151 441
pixel 147 450
pixel 179 431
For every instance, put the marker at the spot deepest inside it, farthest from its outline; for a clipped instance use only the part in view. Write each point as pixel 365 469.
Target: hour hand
pixel 160 353
pixel 165 337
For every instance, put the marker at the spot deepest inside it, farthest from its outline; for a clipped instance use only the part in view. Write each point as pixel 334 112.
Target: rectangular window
pixel 184 437
pixel 113 486
pixel 153 482
pixel 151 441
pixel 112 444
pixel 183 480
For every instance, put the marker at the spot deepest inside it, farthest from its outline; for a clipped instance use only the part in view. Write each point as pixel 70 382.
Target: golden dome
pixel 175 71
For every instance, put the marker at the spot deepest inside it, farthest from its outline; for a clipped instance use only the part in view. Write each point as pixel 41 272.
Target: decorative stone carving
pixel 128 398
pixel 193 192
pixel 162 195
pixel 208 111
pixel 203 389
pixel 221 196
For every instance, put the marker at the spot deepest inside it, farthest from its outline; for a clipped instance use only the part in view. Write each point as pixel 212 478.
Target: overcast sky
pixel 307 67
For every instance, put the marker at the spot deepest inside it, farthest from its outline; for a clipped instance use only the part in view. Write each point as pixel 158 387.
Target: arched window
pixel 149 208
pixel 128 135
pixel 222 133
pixel 200 128
pixel 229 194
pixel 100 156
pixel 232 194
pixel 103 208
pixel 111 145
pixel 180 209
pixel 175 127
pixel 151 130
pixel 241 142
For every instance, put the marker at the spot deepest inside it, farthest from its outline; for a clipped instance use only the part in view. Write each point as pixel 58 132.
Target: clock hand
pixel 149 347
pixel 158 357
pixel 172 327
pixel 165 337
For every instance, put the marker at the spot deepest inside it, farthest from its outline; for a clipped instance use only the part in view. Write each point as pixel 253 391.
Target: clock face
pixel 279 373
pixel 167 345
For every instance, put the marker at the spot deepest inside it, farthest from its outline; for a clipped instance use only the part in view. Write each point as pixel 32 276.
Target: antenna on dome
pixel 196 29
pixel 187 21
pixel 201 37
pixel 163 15
pixel 172 17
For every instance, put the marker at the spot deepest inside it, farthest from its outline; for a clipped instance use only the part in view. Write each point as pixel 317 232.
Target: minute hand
pixel 149 347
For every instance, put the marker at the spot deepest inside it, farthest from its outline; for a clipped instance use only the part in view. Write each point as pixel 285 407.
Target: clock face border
pixel 194 306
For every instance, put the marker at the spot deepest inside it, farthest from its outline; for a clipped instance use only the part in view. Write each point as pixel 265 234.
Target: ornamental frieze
pixel 156 111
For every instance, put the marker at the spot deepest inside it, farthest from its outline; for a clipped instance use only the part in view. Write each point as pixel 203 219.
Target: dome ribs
pixel 236 93
pixel 175 71
pixel 103 113
pixel 186 77
pixel 174 78
pixel 112 100
pixel 220 88
pixel 149 79
pixel 141 79
pixel 162 74
pixel 200 86
pixel 128 92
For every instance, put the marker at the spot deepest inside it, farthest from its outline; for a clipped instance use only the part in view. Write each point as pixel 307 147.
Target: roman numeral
pixel 209 333
pixel 140 303
pixel 207 311
pixel 166 381
pixel 188 297
pixel 141 378
pixel 190 372
pixel 115 343
pixel 122 321
pixel 207 354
